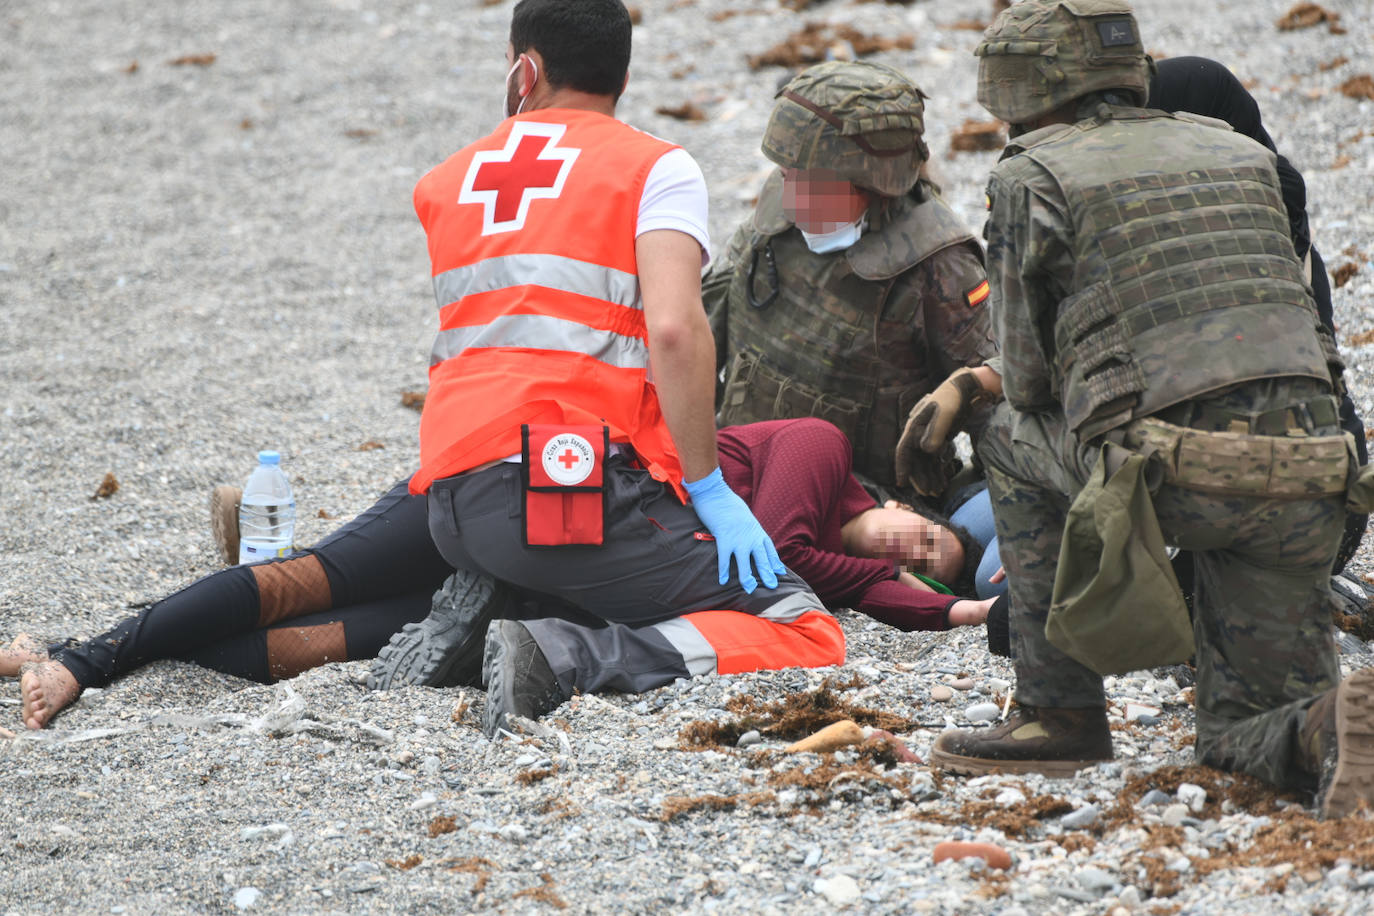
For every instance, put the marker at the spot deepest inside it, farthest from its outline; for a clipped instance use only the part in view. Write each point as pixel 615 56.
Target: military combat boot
pixel 1338 736
pixel 1034 739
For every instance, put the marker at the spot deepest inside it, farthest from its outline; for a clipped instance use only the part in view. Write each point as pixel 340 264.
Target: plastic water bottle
pixel 267 512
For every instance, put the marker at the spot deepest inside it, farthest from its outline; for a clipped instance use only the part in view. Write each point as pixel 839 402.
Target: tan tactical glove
pixel 929 426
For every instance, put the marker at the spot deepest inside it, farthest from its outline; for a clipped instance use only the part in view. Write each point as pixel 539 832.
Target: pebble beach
pixel 207 247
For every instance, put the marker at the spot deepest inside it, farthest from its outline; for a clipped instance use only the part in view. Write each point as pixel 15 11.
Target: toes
pixel 35 709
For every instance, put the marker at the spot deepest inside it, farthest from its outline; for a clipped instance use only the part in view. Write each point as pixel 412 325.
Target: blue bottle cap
pixel 269 457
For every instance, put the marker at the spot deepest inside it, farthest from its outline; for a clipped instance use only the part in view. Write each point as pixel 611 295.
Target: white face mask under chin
pixel 836 239
pixel 505 98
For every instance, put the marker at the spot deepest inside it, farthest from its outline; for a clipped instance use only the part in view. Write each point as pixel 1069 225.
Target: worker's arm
pixel 682 357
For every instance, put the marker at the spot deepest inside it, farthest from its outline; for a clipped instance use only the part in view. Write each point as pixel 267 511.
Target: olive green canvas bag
pixel 1116 605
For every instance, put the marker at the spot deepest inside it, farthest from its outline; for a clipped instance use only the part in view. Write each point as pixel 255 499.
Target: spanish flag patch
pixel 975 296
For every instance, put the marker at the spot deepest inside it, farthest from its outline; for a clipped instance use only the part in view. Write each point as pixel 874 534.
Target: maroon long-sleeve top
pixel 795 475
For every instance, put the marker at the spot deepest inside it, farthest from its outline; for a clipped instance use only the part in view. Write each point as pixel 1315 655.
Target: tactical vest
pixel 819 335
pixel 1185 280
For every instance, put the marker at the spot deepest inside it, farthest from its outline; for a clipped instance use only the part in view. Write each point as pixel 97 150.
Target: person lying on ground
pixel 346 596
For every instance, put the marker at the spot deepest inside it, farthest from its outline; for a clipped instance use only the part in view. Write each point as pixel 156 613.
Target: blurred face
pixel 819 200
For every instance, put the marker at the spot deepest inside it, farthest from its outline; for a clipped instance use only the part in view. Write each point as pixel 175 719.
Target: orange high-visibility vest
pixel 532 241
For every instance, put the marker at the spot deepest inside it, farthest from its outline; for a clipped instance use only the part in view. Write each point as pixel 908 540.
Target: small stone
pixel 405 758
pixel 1135 711
pixel 270 831
pixel 1129 896
pixel 1082 817
pixel 982 712
pixel 426 800
pixel 1174 814
pixel 1154 797
pixel 1008 798
pixel 1181 864
pixel 1195 797
pixel 1095 879
pixel 245 897
pixel 962 683
pixel 749 739
pixel 941 693
pixel 514 833
pixel 998 685
pixel 813 857
pixel 839 890
pixel 995 856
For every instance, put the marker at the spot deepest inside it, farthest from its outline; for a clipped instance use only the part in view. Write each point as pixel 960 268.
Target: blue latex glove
pixel 738 534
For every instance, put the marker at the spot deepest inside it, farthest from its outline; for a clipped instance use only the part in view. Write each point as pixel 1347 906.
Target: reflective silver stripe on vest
pixel 541 332
pixel 550 270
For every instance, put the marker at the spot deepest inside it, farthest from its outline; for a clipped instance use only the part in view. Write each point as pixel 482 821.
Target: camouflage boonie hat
pixel 861 119
pixel 1040 54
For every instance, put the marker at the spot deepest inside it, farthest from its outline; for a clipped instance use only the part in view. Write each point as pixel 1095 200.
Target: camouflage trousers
pixel 1262 617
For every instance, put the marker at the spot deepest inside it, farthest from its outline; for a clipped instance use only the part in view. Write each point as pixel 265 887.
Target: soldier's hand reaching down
pixel 931 423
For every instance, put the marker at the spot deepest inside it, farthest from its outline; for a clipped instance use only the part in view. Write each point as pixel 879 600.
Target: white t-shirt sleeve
pixel 675 198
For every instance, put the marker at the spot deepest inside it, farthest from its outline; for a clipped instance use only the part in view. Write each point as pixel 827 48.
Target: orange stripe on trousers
pixel 744 642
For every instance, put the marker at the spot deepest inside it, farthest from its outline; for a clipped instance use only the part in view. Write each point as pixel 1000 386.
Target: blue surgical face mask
pixel 836 239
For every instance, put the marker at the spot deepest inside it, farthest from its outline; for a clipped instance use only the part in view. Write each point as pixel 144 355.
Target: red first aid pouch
pixel 564 477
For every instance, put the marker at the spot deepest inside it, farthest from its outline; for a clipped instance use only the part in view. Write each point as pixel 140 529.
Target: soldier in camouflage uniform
pixel 854 318
pixel 1145 293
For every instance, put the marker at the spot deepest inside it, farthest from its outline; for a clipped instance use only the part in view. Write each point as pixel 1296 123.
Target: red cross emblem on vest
pixel 531 166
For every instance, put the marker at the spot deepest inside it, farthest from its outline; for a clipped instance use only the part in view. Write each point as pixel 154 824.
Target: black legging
pixel 382 571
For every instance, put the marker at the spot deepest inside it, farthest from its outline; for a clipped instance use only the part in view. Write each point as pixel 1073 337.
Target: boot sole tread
pixel 1353 779
pixel 494 675
pixel 980 766
pixel 440 650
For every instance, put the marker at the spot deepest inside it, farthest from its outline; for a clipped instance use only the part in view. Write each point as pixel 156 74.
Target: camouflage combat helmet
pixel 864 120
pixel 1041 54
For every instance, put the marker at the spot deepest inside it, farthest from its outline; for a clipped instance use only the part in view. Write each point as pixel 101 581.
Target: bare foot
pixel 47 689
pixel 24 649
